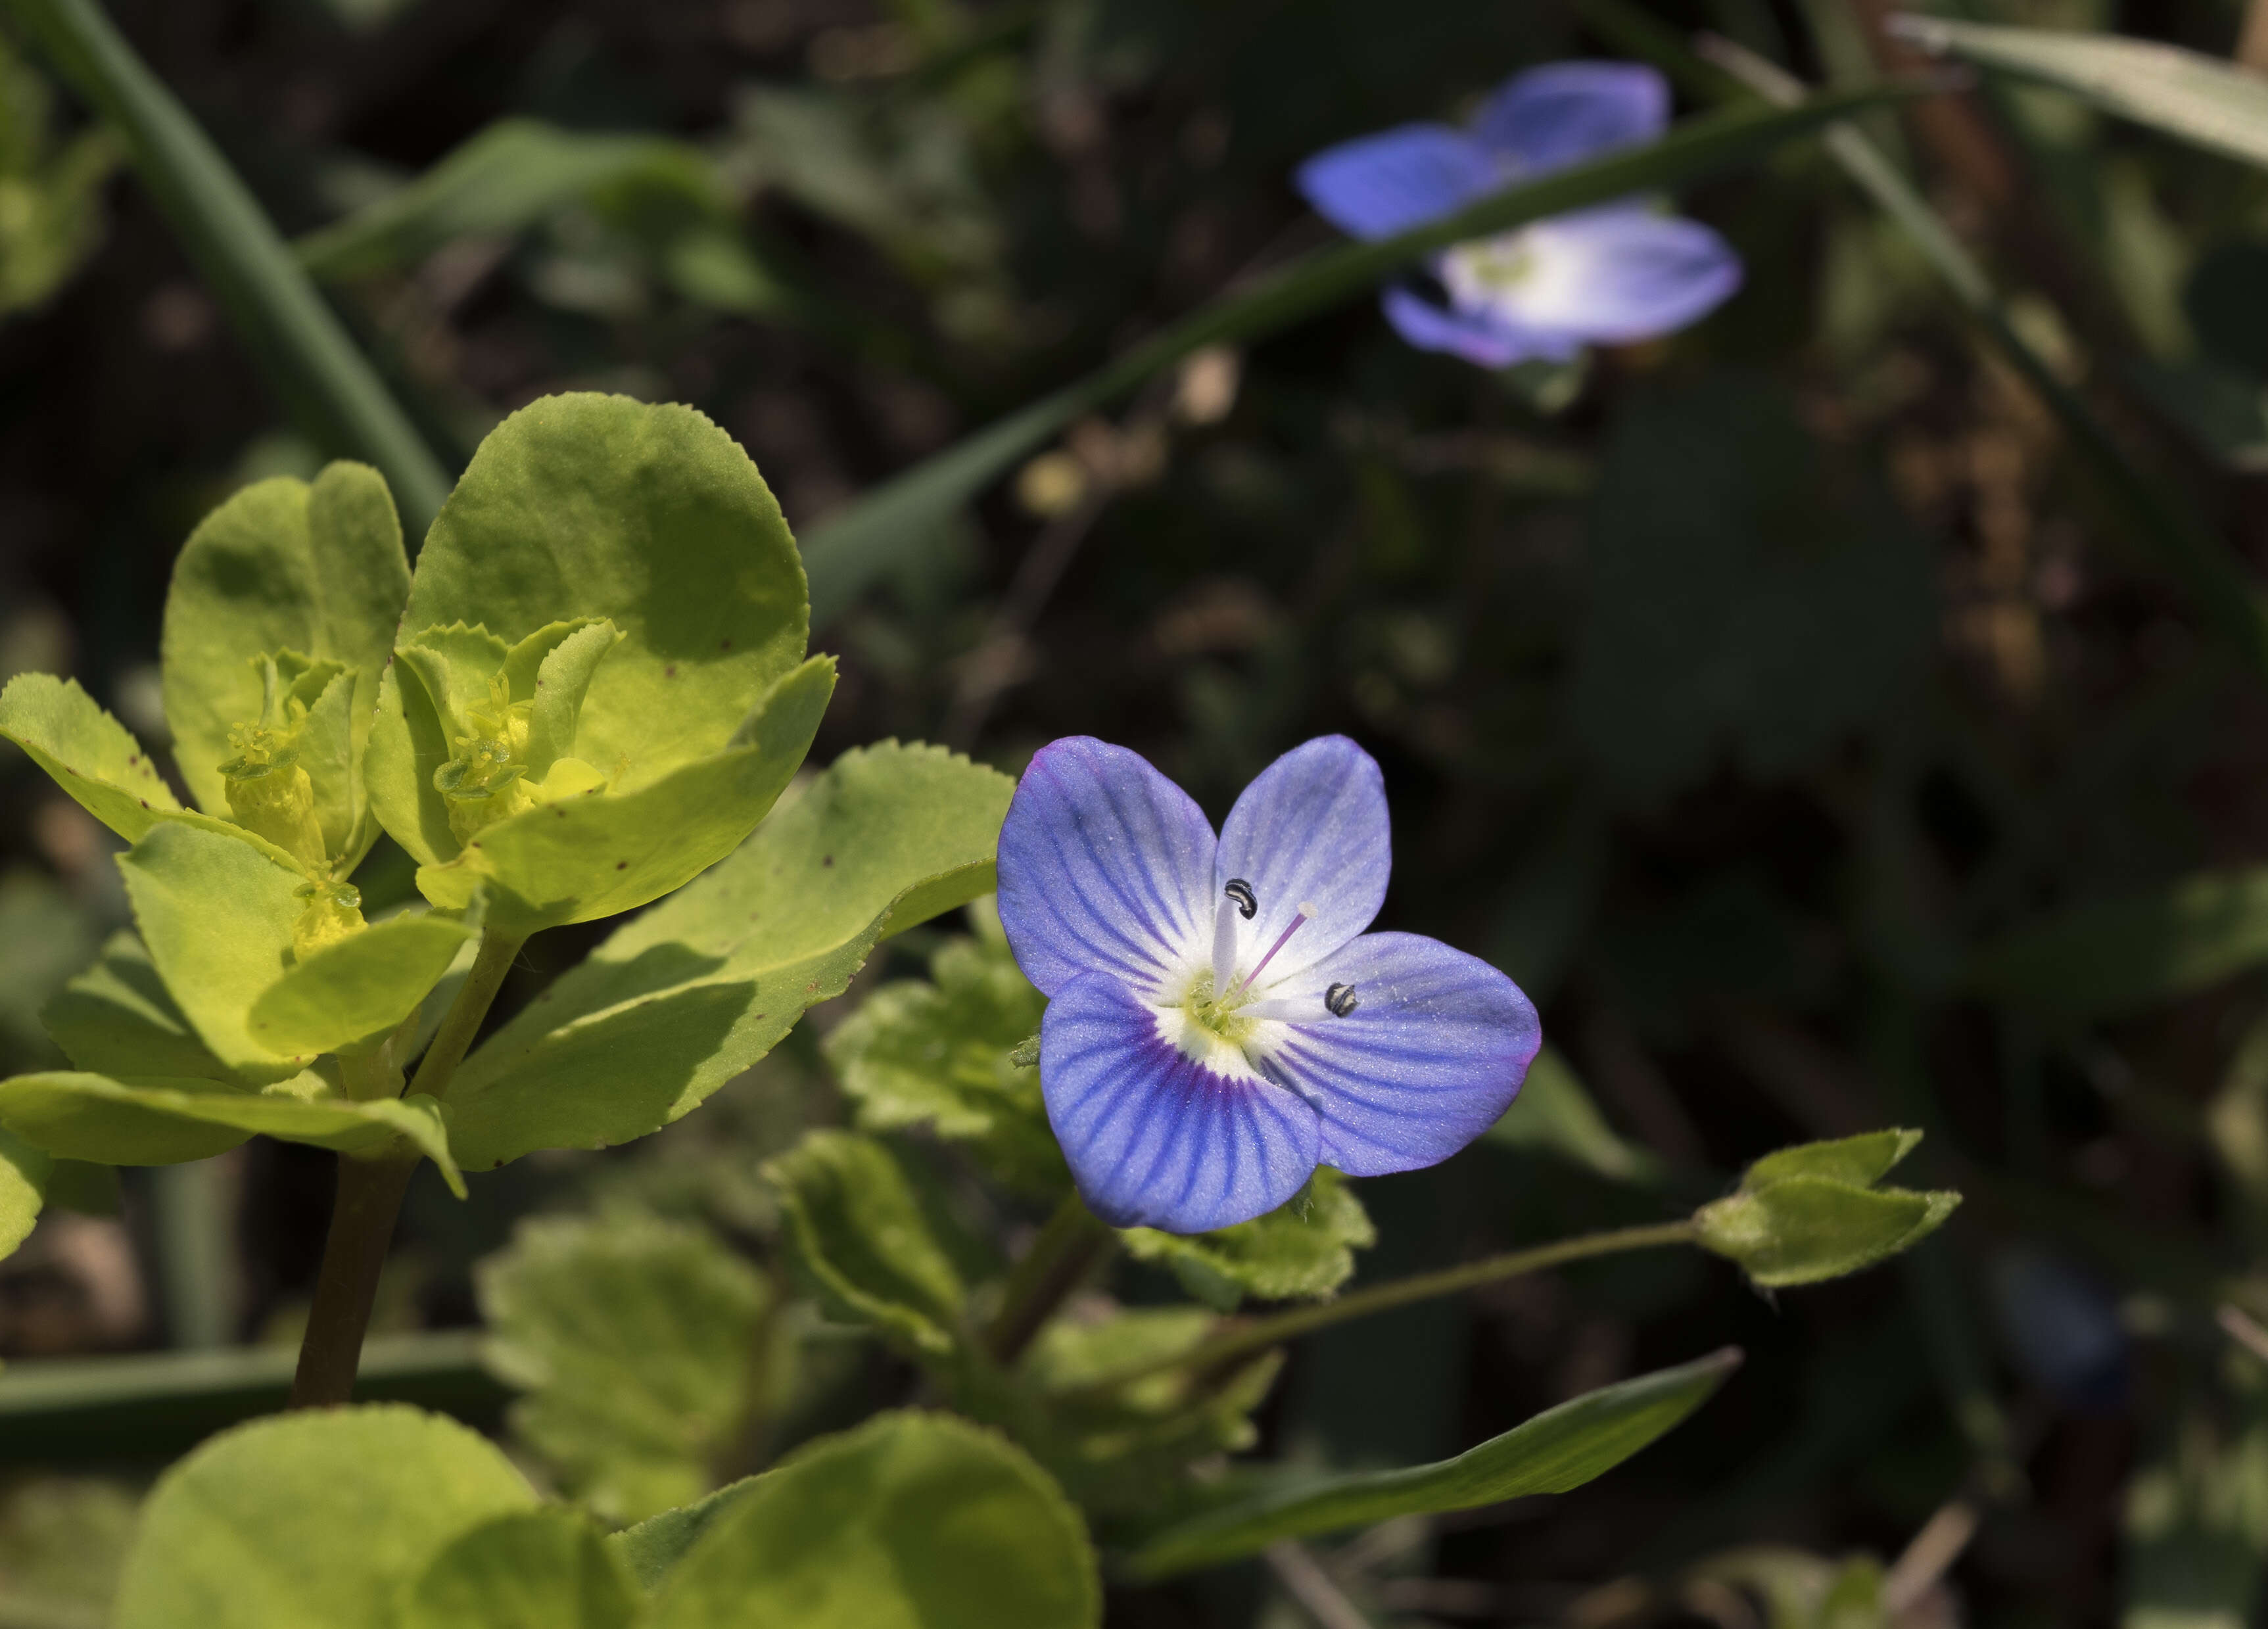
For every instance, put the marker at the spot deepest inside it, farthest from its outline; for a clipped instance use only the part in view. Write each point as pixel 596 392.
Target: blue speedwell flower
pixel 1621 272
pixel 1218 1023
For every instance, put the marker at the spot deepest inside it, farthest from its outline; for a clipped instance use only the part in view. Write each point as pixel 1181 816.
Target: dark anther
pixel 1247 903
pixel 1340 999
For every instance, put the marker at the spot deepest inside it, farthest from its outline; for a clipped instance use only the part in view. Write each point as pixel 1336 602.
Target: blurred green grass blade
pixel 1561 1448
pixel 2197 99
pixel 154 1405
pixel 325 380
pixel 2111 957
pixel 846 554
pixel 497 183
pixel 2183 544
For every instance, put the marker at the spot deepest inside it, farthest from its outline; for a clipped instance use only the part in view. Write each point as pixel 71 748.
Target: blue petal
pixel 1621 273
pixel 1563 114
pixel 1431 1056
pixel 1312 828
pixel 1379 185
pixel 1155 1138
pixel 1105 866
pixel 1477 336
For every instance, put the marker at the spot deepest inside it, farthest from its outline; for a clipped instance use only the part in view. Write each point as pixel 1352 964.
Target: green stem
pixel 354 1254
pixel 323 377
pixel 463 1021
pixel 369 1200
pixel 1068 1248
pixel 1239 1342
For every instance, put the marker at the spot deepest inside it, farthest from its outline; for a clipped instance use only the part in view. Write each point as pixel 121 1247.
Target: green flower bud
pixel 333 912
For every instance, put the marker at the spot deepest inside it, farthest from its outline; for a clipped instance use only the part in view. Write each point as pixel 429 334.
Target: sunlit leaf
pixel 310 1521
pixel 533 1569
pixel 688 995
pixel 910 1522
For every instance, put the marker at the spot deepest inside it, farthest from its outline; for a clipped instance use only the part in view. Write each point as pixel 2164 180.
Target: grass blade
pixel 846 554
pixel 2197 99
pixel 326 381
pixel 2182 545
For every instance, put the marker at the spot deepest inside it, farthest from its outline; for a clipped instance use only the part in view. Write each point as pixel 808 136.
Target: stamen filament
pixel 1224 944
pixel 1306 914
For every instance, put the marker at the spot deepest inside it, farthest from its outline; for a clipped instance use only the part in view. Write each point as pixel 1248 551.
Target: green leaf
pixel 310 359
pixel 655 1545
pixel 911 1522
pixel 2111 957
pixel 283 565
pixel 906 515
pixel 118 1019
pixel 1127 1451
pixel 602 853
pixel 936 1053
pixel 158 1121
pixel 2196 98
pixel 1303 1250
pixel 1805 1229
pixel 217 914
pixel 680 1000
pixel 315 1520
pixel 1559 1449
pixel 651 517
pixel 1555 1113
pixel 89 753
pixel 872 1238
pixel 362 986
pixel 501 181
pixel 24 1173
pixel 640 1344
pixel 1861 1161
pixel 533 1569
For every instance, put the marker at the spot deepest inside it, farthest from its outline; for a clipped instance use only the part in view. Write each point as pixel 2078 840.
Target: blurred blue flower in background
pixel 1218 1023
pixel 1620 272
pixel 2060 1327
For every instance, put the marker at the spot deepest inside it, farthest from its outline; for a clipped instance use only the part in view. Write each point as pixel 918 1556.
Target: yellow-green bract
pixel 600 684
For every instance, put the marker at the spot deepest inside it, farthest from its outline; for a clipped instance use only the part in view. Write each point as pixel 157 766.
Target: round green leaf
pixel 24 1173
pixel 911 1522
pixel 280 566
pixel 359 987
pixel 589 505
pixel 310 1521
pixel 535 1569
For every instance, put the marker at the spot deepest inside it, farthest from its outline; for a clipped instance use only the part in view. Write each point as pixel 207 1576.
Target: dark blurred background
pixel 1740 694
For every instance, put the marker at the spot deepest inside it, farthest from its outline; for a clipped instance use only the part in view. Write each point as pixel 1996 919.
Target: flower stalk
pixel 369 1202
pixel 1070 1246
pixel 1243 1340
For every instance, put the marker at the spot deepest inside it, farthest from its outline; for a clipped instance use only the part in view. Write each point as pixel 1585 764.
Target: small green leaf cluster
pixel 910 1519
pixel 1814 1212
pixel 592 689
